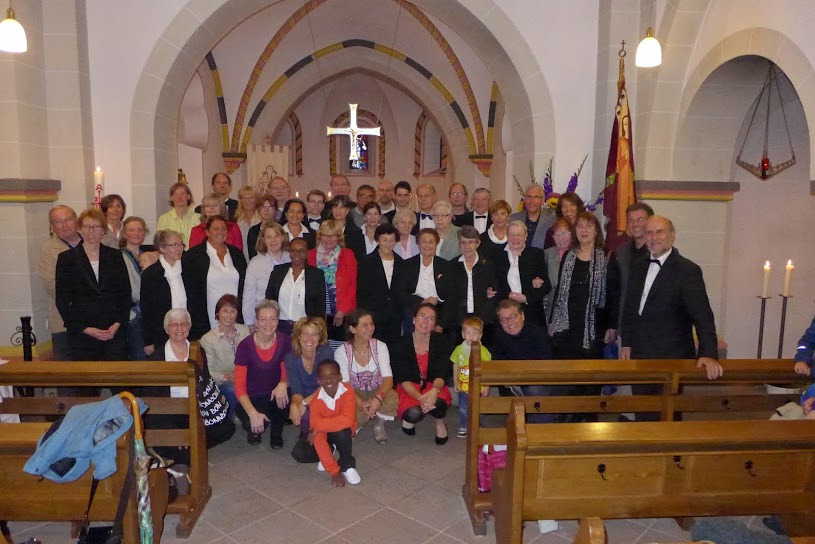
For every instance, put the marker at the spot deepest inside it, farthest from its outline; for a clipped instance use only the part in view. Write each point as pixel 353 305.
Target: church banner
pixel 619 192
pixel 265 162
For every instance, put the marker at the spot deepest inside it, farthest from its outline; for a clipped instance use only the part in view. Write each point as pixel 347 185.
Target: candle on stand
pixel 766 289
pixel 329 195
pixel 788 277
pixel 98 186
pixel 297 194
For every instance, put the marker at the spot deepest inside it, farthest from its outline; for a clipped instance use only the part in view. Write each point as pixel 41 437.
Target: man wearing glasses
pixel 537 222
pixel 64 236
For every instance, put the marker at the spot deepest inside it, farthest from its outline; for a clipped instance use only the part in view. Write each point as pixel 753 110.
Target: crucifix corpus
pixel 353 132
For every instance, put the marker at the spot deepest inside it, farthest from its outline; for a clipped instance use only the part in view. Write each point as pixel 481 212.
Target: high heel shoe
pixel 442 440
pixel 409 432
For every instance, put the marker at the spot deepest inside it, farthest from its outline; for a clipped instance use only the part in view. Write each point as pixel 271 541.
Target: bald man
pixel 384 197
pixel 666 300
pixel 426 196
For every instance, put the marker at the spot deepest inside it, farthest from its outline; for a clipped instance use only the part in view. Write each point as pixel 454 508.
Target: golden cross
pixel 352 131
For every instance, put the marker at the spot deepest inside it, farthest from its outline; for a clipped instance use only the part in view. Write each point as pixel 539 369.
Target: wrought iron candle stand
pixel 24 336
pixel 761 325
pixel 784 299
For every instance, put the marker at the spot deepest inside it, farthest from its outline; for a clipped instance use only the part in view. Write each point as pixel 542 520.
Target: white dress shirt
pixel 412 248
pixel 653 270
pixel 426 222
pixel 469 271
pixel 426 286
pixel 222 279
pixel 514 274
pixel 292 298
pixel 388 267
pixel 289 235
pixel 480 221
pixel 176 391
pixel 370 245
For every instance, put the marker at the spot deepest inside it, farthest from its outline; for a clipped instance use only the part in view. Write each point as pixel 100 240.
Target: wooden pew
pixel 659 469
pixel 739 393
pixel 24 497
pixel 126 375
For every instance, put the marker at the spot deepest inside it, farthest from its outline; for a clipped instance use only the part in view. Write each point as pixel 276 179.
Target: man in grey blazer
pixel 537 222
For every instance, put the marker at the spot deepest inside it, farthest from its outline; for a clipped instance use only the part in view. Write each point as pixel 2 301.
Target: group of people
pixel 338 313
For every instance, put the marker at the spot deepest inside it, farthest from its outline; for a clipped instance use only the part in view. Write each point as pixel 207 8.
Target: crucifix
pixel 353 131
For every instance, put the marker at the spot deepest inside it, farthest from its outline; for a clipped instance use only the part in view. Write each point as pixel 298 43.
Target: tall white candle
pixel 765 291
pixel 329 195
pixel 98 186
pixel 788 277
pixel 297 194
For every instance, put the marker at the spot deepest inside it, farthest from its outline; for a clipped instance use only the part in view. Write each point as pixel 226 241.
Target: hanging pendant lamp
pixel 649 51
pixel 12 34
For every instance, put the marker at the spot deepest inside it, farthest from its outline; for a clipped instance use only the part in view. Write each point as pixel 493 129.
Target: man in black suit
pixel 636 217
pixel 479 216
pixel 222 186
pixel 666 300
pixel 426 197
pixel 457 196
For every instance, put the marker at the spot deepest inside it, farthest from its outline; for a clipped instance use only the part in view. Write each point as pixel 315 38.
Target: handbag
pixel 109 534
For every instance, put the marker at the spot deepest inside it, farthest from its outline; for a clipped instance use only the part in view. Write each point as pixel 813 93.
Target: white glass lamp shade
pixel 12 35
pixel 649 52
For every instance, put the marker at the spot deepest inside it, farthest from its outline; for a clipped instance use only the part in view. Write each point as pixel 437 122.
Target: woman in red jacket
pixel 339 267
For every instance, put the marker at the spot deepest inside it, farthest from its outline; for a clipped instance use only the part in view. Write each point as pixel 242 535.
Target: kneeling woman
pixel 365 362
pixel 259 386
pixel 421 367
pixel 211 402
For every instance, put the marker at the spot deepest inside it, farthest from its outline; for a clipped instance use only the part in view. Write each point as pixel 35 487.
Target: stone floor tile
pixel 429 465
pixel 387 526
pixel 669 526
pixel 291 485
pixel 50 533
pixel 337 508
pixel 433 506
pixel 202 533
pixel 236 509
pixel 284 527
pixel 463 531
pixel 652 536
pixel 622 531
pixel 442 538
pixel 387 485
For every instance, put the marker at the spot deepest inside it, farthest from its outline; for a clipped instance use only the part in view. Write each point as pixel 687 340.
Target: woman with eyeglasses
pixel 448 232
pixel 421 369
pixel 267 210
pixel 162 288
pixel 339 266
pixel 93 294
pixel 272 250
pixel 213 206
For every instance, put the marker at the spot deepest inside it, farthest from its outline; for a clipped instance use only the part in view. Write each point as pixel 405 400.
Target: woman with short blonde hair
pixel 211 206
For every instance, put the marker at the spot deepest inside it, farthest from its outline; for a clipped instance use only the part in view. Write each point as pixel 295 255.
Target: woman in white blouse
pixel 162 288
pixel 294 211
pixel 404 220
pixel 371 214
pixel 365 362
pixel 272 250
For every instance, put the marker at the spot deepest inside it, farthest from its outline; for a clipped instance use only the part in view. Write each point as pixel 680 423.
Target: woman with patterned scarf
pixel 584 304
pixel 339 267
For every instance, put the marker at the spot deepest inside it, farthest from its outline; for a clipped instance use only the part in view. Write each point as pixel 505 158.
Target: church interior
pixel 487 93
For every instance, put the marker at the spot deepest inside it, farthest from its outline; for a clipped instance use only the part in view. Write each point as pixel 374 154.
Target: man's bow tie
pixel 425 216
pixel 656 262
pixel 480 216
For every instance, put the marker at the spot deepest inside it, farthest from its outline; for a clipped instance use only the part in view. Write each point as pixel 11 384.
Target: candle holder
pixel 761 325
pixel 784 299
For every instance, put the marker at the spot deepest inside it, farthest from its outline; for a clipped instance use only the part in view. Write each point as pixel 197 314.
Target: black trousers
pixel 303 452
pixel 262 403
pixel 414 414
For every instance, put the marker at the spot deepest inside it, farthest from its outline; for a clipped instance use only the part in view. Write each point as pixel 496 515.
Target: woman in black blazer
pixel 421 367
pixel 531 283
pixel 196 265
pixel 314 291
pixel 268 210
pixel 378 277
pixel 93 294
pixel 341 206
pixel 428 240
pixel 158 281
pixel 484 285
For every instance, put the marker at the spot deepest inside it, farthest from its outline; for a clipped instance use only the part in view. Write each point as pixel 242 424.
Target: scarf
pixel 327 262
pixel 596 299
pixel 230 335
pixel 178 295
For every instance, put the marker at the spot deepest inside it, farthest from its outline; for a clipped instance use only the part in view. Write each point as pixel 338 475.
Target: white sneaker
pixel 547 526
pixel 320 467
pixel 352 476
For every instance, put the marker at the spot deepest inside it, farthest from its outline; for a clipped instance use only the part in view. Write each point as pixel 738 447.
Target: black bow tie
pixel 656 262
pixel 480 216
pixel 425 216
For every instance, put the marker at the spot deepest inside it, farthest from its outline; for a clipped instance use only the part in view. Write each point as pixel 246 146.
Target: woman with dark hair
pixel 521 273
pixel 569 205
pixel 365 363
pixel 494 239
pixel 220 345
pixel 114 209
pixel 424 278
pixel 584 309
pixel 211 270
pixel 267 210
pixel 134 230
pixel 341 206
pixel 294 211
pixel 212 206
pixel 339 266
pixel 378 280
pixel 371 214
pixel 93 294
pixel 565 239
pixel 180 218
pixel 298 287
pixel 272 250
pixel 422 368
pixel 162 288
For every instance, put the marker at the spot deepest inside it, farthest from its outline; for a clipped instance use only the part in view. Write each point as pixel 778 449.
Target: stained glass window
pixel 362 162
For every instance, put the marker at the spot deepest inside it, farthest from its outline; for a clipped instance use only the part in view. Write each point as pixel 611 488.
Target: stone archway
pixel 202 23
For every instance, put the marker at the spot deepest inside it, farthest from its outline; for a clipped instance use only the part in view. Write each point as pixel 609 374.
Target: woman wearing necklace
pixel 220 345
pixel 294 211
pixel 421 368
pixel 259 385
pixel 584 306
pixel 339 266
pixel 494 239
pixel 272 250
pixel 93 294
pixel 309 346
pixel 365 363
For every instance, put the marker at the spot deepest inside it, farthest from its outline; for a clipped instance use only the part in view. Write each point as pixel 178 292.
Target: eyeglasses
pixel 63 221
pixel 298 251
pixel 533 197
pixel 458 193
pixel 175 246
pixel 92 228
pixel 638 220
pixel 425 317
pixel 440 215
pixel 182 325
pixel 267 208
pixel 509 318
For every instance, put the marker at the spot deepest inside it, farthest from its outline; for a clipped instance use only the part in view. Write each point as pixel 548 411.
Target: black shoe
pixel 253 439
pixel 441 440
pixel 409 432
pixel 276 442
pixel 288 421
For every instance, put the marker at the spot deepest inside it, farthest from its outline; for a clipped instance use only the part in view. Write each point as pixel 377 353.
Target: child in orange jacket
pixel 334 422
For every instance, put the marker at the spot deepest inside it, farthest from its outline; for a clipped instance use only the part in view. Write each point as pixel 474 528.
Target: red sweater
pixel 343 416
pixel 346 279
pixel 198 235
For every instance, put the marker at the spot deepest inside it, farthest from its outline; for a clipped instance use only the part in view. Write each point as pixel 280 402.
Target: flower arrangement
pixel 550 197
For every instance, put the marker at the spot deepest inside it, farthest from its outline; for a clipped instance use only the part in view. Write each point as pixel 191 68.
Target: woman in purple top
pixel 262 395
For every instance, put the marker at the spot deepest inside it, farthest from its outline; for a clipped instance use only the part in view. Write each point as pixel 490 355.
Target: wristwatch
pixel 305 402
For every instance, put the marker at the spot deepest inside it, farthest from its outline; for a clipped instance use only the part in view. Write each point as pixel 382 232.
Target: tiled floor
pixel 410 494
